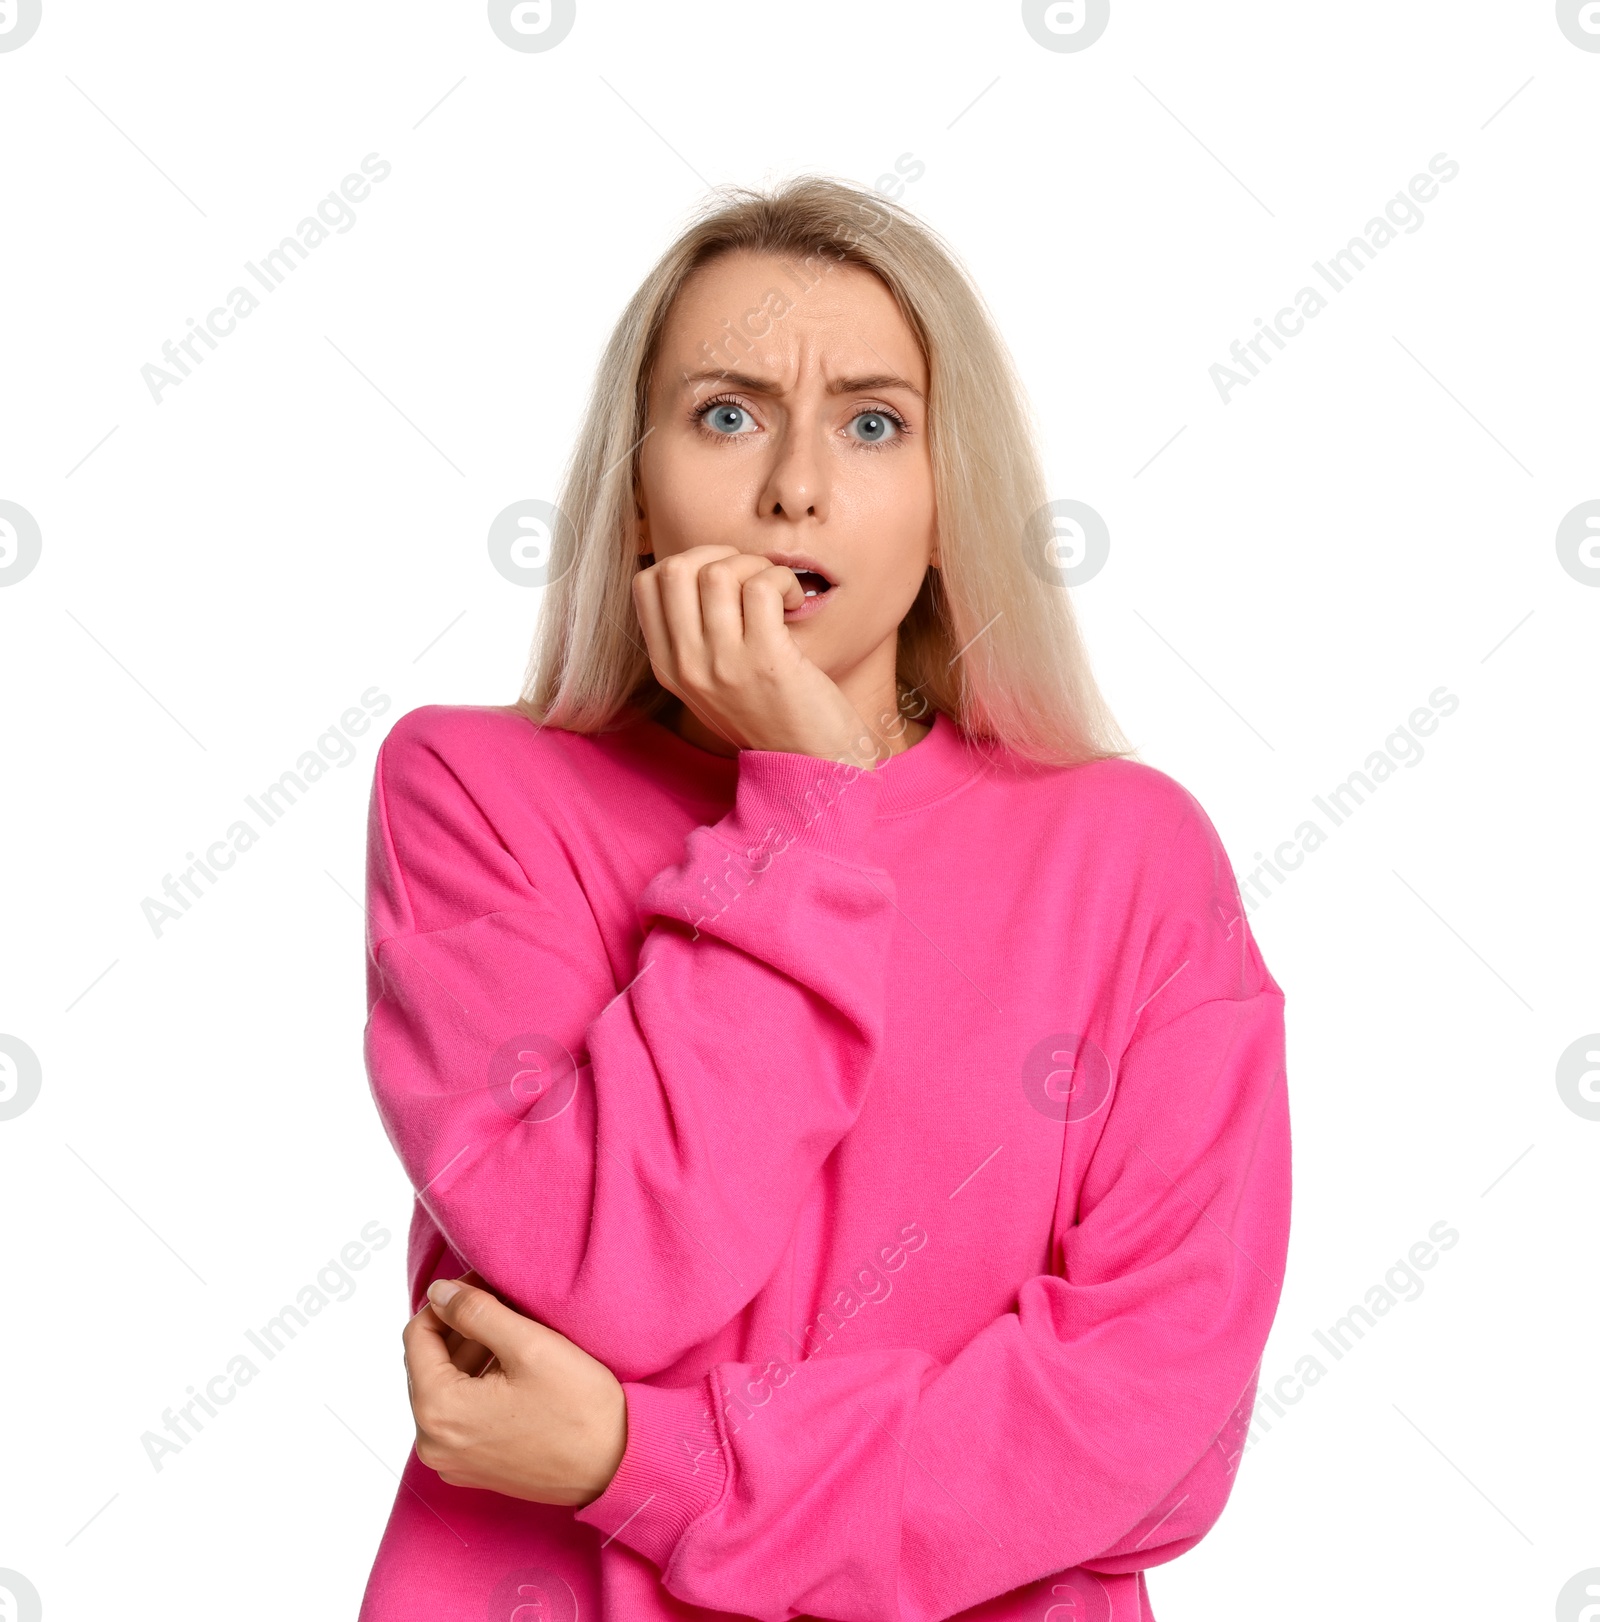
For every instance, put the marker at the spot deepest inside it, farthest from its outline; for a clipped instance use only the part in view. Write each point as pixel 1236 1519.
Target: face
pixel 808 445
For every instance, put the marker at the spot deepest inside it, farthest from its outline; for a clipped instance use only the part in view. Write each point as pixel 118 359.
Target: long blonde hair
pixel 990 641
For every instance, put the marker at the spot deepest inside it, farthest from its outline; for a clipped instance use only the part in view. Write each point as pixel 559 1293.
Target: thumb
pixel 480 1316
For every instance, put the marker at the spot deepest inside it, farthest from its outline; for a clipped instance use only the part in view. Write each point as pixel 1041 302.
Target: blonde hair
pixel 991 640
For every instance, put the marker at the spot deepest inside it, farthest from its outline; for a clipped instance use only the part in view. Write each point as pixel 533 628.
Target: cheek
pixel 896 510
pixel 901 478
pixel 693 503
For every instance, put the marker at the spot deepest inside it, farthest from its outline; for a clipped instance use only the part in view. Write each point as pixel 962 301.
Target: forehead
pixel 819 313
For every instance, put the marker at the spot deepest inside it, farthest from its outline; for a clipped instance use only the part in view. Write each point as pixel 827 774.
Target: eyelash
pixel 697 416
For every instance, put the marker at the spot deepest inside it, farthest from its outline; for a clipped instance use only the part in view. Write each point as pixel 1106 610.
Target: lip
pixel 801 560
pixel 798 561
pixel 812 605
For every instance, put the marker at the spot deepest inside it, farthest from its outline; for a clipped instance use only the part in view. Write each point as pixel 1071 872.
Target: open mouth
pixel 812 583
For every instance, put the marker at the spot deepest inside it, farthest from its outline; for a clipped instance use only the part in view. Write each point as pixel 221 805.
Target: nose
pixel 797 482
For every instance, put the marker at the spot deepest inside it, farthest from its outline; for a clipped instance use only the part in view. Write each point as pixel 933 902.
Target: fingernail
pixel 441 1291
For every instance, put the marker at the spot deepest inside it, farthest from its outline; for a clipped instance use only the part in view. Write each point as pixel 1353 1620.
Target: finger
pixel 653 622
pixel 680 603
pixel 467 1355
pixel 473 1359
pixel 765 598
pixel 661 612
pixel 722 584
pixel 787 583
pixel 480 1317
pixel 652 613
pixel 429 1369
pixel 679 586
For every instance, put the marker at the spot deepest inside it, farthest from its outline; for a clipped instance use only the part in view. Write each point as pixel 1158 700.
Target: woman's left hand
pixel 545 1421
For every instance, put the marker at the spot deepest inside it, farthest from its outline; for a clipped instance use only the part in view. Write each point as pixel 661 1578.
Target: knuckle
pixel 449 1440
pixel 432 1420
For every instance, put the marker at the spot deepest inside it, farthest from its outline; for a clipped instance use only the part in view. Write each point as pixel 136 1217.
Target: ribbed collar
pixel 942 762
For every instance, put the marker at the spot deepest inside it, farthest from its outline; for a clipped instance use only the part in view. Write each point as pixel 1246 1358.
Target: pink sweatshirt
pixel 913 1144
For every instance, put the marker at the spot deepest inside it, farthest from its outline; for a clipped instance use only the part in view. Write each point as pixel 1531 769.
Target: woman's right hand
pixel 713 623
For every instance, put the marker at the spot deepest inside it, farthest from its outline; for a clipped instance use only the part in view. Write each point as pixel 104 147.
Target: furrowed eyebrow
pixel 766 385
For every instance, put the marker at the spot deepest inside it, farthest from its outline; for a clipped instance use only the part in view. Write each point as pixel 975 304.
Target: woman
pixel 842 1079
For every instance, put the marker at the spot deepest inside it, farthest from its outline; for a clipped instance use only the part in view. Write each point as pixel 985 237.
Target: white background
pixel 305 517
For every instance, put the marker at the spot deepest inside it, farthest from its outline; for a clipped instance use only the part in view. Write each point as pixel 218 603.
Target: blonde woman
pixel 845 1101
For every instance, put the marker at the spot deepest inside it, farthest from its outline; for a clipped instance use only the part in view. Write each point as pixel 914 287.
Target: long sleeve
pixel 1096 1425
pixel 624 1162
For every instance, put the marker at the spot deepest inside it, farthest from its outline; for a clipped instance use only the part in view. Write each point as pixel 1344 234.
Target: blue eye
pixel 877 426
pixel 727 419
pixel 723 418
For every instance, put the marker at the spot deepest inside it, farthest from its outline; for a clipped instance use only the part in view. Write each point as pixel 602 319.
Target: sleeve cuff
pixel 673 1469
pixel 785 798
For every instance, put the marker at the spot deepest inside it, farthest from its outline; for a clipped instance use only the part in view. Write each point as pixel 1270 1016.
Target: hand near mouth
pixel 714 623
